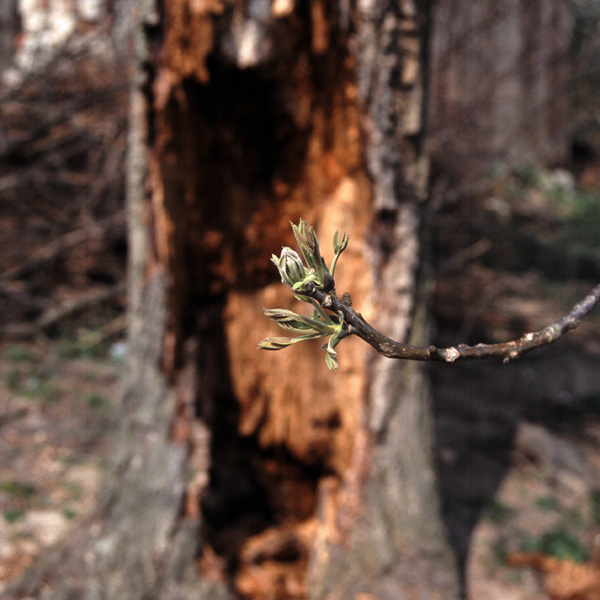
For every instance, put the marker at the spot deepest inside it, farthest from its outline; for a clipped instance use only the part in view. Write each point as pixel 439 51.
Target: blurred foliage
pixel 69 514
pixel 12 515
pixel 582 222
pixel 572 520
pixel 551 222
pixel 98 401
pixel 498 512
pixel 20 353
pixel 17 489
pixel 73 489
pixel 563 540
pixel 547 503
pixel 559 543
pixel 595 507
pixel 13 379
pixel 32 382
pixel 69 348
pixel 499 552
pixel 37 387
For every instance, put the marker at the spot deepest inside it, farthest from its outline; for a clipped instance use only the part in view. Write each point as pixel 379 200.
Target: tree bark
pixel 9 29
pixel 239 473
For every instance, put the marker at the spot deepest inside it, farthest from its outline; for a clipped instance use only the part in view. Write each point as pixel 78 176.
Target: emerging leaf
pixel 297 323
pixel 303 280
pixel 331 360
pixel 278 343
pixel 275 343
pixel 309 245
pixel 334 340
pixel 340 246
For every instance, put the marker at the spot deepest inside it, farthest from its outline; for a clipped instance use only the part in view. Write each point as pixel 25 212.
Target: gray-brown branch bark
pixel 506 351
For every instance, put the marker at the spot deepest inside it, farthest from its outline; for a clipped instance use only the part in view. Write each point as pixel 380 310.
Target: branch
pixel 69 240
pixel 507 351
pixel 314 284
pixel 60 311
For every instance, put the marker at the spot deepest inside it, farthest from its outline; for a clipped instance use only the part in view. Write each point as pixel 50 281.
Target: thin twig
pixel 61 311
pixel 65 242
pixel 506 351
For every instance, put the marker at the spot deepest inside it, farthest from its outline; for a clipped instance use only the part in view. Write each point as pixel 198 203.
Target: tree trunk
pixel 241 473
pixel 502 75
pixel 9 29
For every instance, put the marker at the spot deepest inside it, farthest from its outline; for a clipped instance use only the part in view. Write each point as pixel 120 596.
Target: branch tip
pixel 315 285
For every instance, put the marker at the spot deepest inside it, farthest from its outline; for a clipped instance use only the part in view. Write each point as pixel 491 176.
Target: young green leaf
pixel 275 343
pixel 297 323
pixel 279 343
pixel 338 247
pixel 309 245
pixel 331 359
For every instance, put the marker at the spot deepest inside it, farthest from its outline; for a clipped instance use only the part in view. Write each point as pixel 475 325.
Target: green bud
pixel 305 284
pixel 309 245
pixel 290 266
pixel 303 278
pixel 307 240
pixel 340 246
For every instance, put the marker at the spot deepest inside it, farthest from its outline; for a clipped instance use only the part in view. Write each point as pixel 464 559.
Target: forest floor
pixel 56 409
pixel 518 450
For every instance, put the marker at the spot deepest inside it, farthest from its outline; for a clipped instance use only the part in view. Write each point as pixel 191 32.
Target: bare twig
pixel 66 309
pixel 66 241
pixel 314 284
pixel 111 329
pixel 355 324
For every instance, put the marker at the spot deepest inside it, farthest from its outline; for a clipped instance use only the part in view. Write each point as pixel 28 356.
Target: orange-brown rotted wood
pixel 237 154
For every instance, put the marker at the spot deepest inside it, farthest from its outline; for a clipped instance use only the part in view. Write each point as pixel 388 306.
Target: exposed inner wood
pixel 237 154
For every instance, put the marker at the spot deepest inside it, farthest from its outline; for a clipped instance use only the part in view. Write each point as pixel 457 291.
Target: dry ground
pixel 518 450
pixel 56 407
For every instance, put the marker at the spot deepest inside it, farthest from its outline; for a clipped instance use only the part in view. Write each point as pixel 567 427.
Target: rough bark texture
pixel 282 479
pixel 396 546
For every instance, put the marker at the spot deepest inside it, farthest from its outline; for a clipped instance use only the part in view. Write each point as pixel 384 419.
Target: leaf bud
pixel 290 266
